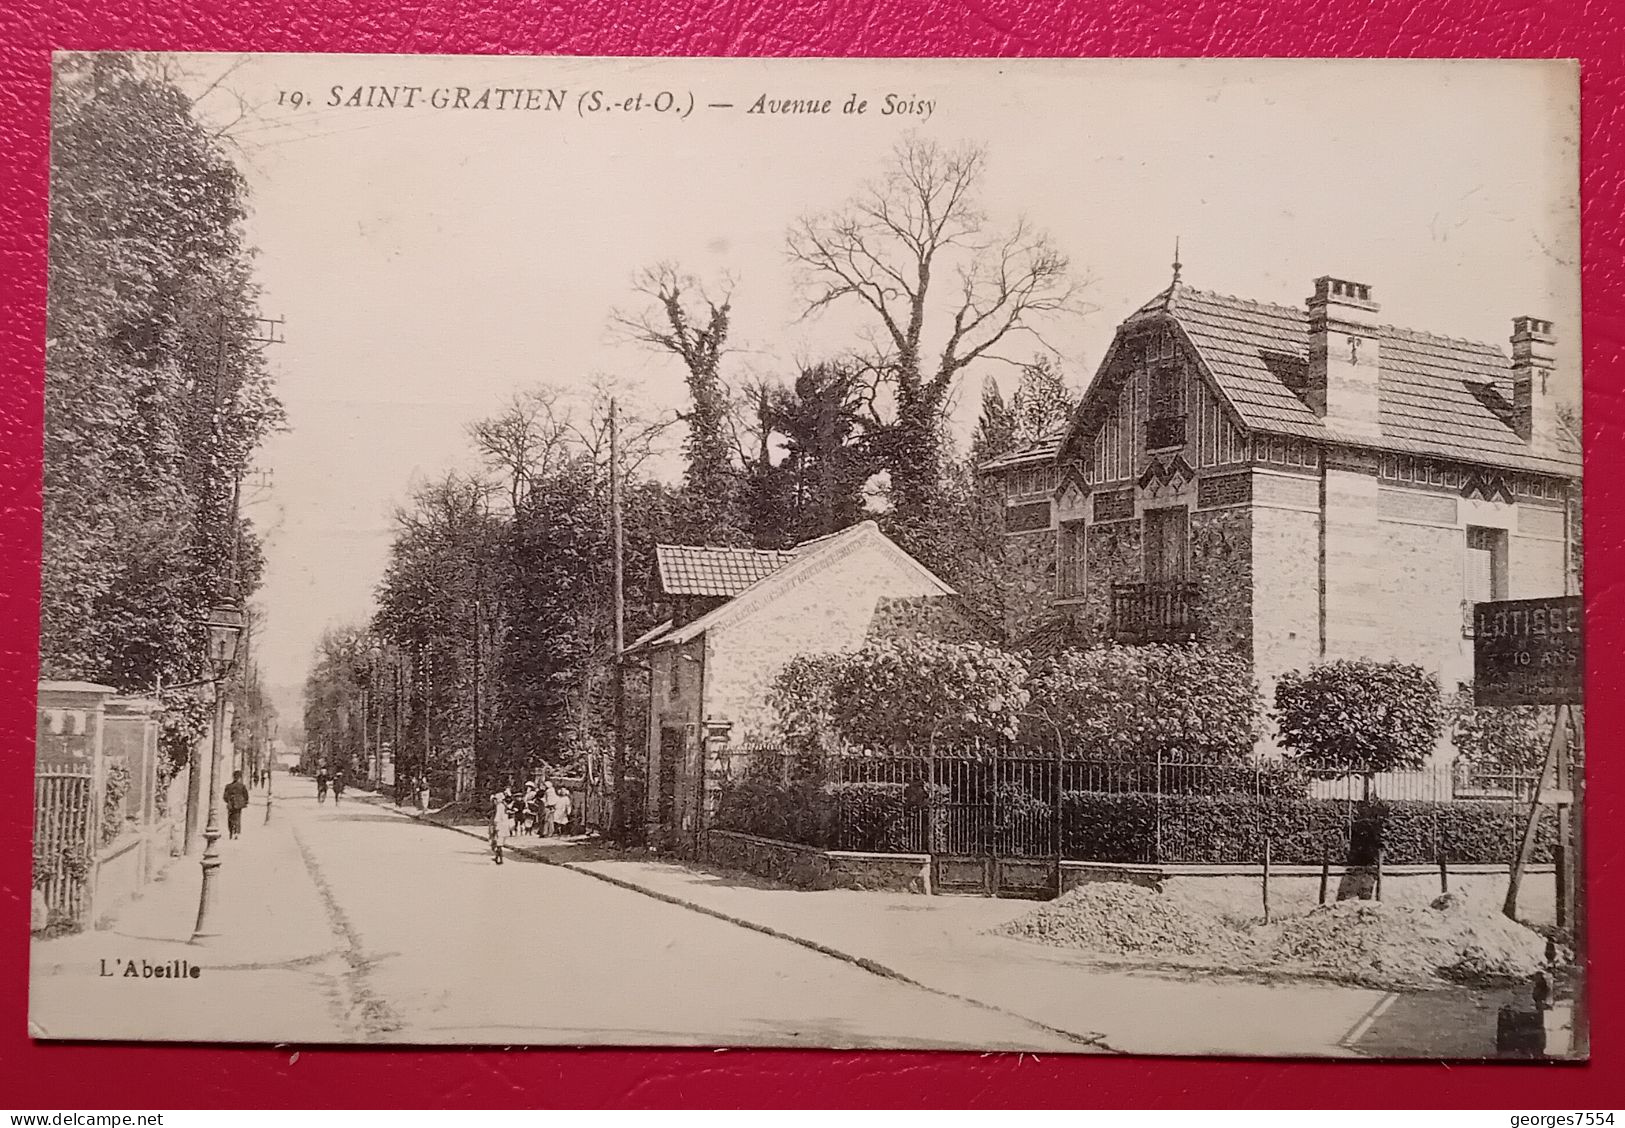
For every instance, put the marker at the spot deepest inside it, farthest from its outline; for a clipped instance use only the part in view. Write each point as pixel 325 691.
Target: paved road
pixel 402 931
pixel 446 946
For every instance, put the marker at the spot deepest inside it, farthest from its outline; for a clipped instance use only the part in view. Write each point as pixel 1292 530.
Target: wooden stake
pixel 1325 873
pixel 1266 881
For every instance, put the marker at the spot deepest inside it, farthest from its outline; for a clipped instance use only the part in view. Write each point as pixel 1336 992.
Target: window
pixel 1486 577
pixel 1166 543
pixel 1164 391
pixel 1071 579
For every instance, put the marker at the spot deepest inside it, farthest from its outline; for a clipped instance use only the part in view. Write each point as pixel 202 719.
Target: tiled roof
pixel 1041 450
pixel 695 570
pixel 1436 395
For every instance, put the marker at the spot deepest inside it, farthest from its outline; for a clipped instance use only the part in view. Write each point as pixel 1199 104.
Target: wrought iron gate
pixel 64 849
pixel 997 831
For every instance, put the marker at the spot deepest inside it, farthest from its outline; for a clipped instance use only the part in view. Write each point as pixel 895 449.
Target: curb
pixel 1092 1041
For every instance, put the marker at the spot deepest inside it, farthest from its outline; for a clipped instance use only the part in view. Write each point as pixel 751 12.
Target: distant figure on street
pixel 338 787
pixel 533 805
pixel 423 793
pixel 321 785
pixel 236 797
pixel 562 810
pixel 500 827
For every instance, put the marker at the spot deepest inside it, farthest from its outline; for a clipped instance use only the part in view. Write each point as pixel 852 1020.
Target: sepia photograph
pixel 1033 556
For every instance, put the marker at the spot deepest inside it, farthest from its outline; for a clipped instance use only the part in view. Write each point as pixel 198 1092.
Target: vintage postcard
pixel 1052 556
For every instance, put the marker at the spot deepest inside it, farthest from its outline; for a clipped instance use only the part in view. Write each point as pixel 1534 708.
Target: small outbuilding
pixel 738 615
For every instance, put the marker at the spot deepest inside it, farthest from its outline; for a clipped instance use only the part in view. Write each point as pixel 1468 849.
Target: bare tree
pixel 913 247
pixel 525 440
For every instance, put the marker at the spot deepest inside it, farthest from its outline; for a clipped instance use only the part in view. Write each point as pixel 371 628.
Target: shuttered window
pixel 1486 577
pixel 1071 565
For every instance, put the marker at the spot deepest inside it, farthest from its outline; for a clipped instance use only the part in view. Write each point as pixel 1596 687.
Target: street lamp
pixel 225 626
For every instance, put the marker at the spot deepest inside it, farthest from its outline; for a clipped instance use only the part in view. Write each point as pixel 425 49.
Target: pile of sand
pixel 1113 918
pixel 1369 940
pixel 1362 941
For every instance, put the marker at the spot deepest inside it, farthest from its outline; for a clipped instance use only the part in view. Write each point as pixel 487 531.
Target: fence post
pixel 1378 890
pixel 1266 880
pixel 1325 872
pixel 1444 875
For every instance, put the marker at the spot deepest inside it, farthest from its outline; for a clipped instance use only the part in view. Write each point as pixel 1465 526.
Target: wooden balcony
pixel 1162 611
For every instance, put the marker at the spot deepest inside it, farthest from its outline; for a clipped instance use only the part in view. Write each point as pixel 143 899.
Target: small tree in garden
pixel 1186 703
pixel 904 693
pixel 1359 717
pixel 800 699
pixel 1497 739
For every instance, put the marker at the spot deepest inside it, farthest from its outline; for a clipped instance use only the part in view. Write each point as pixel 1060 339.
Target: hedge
pixel 1217 829
pixel 1124 827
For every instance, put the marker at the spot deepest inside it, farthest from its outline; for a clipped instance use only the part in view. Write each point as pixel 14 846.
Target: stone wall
pixel 807 867
pixel 1221 563
pixel 1423 592
pixel 1028 581
pixel 1286 571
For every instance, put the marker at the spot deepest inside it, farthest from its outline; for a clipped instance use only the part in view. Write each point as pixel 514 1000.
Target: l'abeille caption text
pixel 600 102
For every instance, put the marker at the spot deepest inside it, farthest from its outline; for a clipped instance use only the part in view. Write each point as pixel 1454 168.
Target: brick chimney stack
pixel 1344 356
pixel 1534 401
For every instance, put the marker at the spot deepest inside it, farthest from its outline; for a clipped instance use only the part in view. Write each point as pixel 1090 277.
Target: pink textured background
pixel 65 1076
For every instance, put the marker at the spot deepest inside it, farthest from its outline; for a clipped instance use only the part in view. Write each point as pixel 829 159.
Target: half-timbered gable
pixel 1296 483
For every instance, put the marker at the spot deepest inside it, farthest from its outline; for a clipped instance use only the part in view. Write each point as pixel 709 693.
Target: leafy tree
pixel 1186 704
pixel 995 432
pixel 914 248
pixel 1500 739
pixel 691 325
pixel 156 395
pixel 1043 402
pixel 917 693
pixel 1359 717
pixel 801 698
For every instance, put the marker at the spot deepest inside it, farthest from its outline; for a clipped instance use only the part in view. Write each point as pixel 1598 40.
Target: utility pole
pixel 618 811
pixel 479 576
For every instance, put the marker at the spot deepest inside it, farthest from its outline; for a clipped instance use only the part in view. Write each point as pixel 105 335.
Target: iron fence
pixel 65 818
pixel 988 803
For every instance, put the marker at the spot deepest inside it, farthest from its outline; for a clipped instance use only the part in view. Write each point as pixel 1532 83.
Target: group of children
pixel 544 810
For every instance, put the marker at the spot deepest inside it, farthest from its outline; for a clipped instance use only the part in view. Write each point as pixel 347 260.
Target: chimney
pixel 1344 356
pixel 1534 403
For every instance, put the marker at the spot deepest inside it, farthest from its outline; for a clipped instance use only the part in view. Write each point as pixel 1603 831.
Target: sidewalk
pixel 941 944
pixel 277 957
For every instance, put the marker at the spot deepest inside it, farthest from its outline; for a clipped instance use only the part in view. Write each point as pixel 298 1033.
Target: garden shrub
pixel 115 788
pixel 913 693
pixel 793 811
pixel 1192 704
pixel 1500 739
pixel 1217 829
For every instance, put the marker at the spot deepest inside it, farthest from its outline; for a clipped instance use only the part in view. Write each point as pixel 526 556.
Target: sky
pixel 430 262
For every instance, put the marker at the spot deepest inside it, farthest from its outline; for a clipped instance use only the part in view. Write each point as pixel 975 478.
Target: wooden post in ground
pixel 1555 748
pixel 1266 881
pixel 1378 891
pixel 1444 875
pixel 1325 873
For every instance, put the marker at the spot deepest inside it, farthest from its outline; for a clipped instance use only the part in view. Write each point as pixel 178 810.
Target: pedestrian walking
pixel 236 797
pixel 423 793
pixel 338 787
pixel 321 785
pixel 500 826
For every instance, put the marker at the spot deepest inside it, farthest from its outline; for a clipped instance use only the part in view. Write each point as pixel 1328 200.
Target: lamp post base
pixel 203 931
